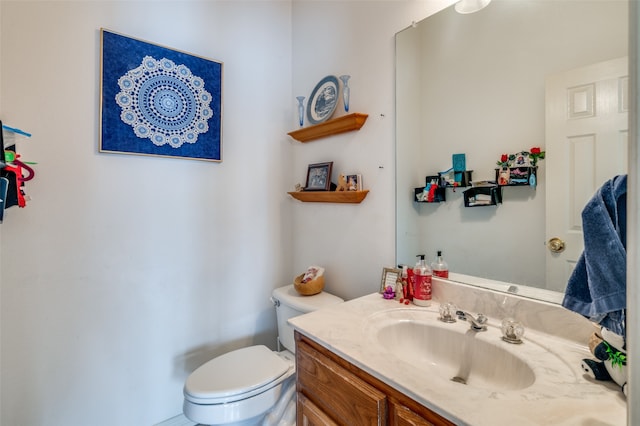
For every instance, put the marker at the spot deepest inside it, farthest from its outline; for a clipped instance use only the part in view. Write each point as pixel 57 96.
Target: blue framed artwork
pixel 158 101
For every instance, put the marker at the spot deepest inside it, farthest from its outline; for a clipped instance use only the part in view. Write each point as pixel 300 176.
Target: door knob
pixel 556 245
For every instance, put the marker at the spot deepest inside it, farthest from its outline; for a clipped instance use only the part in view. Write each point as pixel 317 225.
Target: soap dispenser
pixel 421 282
pixel 440 267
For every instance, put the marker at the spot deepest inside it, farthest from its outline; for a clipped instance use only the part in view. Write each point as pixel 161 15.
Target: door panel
pixel 586 145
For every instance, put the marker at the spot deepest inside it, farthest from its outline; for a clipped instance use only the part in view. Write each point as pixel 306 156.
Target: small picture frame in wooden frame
pixel 354 182
pixel 389 278
pixel 319 177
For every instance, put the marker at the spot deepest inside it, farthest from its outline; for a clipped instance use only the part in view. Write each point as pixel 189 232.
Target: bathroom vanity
pixel 375 361
pixel 329 387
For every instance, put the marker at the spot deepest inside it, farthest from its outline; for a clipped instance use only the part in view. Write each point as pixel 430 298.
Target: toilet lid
pixel 236 372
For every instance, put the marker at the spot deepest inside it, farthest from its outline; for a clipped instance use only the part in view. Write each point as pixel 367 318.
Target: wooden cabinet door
pixel 310 415
pixel 332 391
pixel 332 388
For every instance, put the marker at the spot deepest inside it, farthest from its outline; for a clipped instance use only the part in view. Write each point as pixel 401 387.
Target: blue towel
pixel 597 288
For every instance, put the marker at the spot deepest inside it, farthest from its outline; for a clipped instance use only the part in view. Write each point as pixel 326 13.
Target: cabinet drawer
pixel 347 399
pixel 310 415
pixel 402 416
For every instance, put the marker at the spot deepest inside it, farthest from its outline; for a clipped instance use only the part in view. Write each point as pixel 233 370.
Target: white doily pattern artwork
pixel 164 102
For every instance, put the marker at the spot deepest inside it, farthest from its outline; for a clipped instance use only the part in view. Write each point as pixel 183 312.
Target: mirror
pixel 475 84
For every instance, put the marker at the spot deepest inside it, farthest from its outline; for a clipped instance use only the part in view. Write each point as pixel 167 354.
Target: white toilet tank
pixel 289 303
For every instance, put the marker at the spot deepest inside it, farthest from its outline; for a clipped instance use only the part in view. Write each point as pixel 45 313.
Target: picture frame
pixel 389 278
pixel 354 182
pixel 319 177
pixel 520 159
pixel 158 101
pixel 504 176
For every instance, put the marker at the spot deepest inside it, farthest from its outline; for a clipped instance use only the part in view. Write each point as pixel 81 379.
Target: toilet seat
pixel 237 375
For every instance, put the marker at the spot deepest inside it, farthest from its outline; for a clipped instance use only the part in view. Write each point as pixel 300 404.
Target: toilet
pixel 253 385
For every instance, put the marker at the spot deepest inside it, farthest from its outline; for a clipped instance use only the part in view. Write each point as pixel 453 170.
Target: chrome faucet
pixel 477 324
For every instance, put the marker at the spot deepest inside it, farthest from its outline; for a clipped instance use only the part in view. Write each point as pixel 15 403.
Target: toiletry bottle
pixel 407 292
pixel 398 288
pixel 421 282
pixel 440 267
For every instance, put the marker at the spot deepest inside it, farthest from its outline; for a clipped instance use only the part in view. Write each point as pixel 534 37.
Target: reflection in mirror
pixel 475 84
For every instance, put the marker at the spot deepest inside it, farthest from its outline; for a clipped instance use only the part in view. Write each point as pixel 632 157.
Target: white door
pixel 586 145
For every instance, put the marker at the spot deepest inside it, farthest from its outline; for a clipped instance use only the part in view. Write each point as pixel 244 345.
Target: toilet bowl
pixel 253 385
pixel 239 386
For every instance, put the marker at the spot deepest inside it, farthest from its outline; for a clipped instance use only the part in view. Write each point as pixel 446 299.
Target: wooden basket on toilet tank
pixel 310 287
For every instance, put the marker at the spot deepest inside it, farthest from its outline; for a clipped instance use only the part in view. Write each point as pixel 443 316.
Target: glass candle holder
pixel 300 109
pixel 346 91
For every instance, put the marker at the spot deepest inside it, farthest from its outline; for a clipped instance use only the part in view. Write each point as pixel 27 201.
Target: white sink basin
pixel 454 352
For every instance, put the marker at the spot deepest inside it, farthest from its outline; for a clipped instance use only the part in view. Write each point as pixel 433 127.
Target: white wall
pixel 124 273
pixel 353 241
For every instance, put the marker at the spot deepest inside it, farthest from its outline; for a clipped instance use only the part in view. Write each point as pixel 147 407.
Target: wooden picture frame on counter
pixel 389 278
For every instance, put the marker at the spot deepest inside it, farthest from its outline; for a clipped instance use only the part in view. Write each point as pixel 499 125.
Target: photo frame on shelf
pixel 354 182
pixel 520 159
pixel 389 278
pixel 503 176
pixel 319 177
pixel 157 101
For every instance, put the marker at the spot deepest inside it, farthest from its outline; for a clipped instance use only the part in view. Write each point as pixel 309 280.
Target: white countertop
pixel 565 398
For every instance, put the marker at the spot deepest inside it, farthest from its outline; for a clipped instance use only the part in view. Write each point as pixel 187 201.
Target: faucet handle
pixel 482 319
pixel 512 331
pixel 447 312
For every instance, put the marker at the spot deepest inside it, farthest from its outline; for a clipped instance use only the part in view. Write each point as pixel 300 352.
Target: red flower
pixel 535 150
pixel 505 157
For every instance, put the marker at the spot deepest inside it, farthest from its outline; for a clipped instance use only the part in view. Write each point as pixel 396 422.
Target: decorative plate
pixel 323 100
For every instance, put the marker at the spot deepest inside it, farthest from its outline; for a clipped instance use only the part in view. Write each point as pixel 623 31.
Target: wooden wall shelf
pixel 353 197
pixel 346 123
